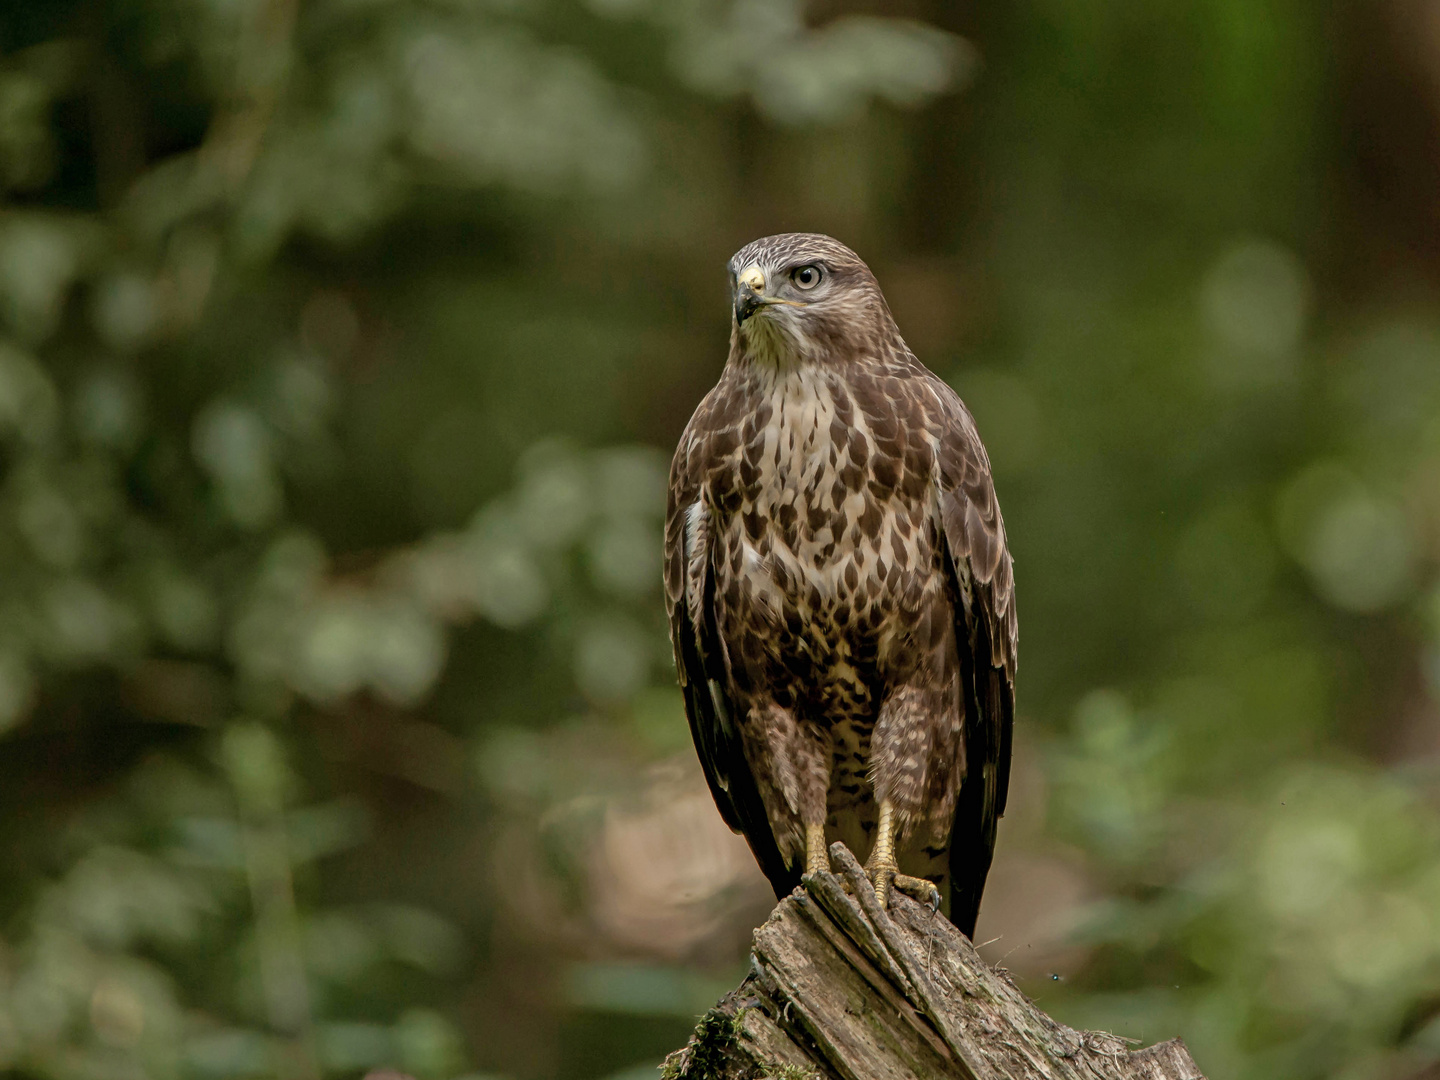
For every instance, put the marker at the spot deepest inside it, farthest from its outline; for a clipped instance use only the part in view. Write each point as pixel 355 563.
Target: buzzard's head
pixel 804 296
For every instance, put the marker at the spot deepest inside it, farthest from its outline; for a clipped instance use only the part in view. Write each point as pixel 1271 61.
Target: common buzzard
pixel 841 599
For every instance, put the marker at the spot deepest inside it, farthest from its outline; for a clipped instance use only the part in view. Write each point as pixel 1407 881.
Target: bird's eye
pixel 807 277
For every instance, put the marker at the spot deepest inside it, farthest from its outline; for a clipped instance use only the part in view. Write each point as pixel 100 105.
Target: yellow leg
pixel 883 871
pixel 817 855
pixel 880 867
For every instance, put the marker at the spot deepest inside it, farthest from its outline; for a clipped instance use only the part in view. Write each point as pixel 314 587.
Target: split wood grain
pixel 842 990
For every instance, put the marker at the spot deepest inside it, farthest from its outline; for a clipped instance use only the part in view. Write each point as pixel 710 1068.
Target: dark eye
pixel 807 277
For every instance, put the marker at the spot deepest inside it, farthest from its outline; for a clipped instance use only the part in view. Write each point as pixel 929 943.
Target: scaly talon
pixel 880 868
pixel 920 889
pixel 881 877
pixel 883 872
pixel 817 855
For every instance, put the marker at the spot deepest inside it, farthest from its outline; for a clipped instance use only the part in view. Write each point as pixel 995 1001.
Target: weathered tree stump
pixel 840 989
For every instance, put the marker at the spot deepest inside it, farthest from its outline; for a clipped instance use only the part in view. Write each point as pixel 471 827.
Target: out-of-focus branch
pixel 840 989
pixel 258 775
pixel 264 57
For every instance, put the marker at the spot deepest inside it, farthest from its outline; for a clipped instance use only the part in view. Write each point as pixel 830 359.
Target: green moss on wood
pixel 705 1054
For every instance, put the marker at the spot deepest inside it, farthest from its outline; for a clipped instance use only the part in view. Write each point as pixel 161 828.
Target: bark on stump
pixel 841 990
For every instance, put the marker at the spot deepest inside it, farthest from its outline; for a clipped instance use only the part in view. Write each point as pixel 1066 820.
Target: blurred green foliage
pixel 342 345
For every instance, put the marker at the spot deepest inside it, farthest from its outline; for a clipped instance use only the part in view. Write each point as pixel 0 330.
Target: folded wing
pixel 982 576
pixel 703 667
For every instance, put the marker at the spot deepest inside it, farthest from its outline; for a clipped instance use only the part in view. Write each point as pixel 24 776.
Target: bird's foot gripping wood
pixel 885 878
pixel 883 872
pixel 817 855
pixel 918 889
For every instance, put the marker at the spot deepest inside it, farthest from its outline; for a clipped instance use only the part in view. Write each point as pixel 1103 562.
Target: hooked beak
pixel 749 292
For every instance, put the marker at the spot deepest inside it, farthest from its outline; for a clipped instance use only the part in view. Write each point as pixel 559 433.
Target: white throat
pixel 773 339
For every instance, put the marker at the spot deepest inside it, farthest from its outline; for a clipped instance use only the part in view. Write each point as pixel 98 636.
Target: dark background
pixel 343 344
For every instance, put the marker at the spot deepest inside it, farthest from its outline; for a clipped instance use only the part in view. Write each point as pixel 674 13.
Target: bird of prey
pixel 841 598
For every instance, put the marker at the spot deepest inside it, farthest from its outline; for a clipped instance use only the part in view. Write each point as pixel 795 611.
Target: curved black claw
pixel 919 889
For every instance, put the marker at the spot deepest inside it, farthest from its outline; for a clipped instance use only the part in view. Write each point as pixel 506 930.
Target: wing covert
pixel 703 669
pixel 983 578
